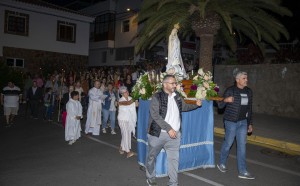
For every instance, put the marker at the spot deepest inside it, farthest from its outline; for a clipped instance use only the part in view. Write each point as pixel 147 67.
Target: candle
pixel 192 72
pixel 153 75
pixel 157 78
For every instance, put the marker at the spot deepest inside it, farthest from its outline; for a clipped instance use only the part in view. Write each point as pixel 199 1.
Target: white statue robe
pixel 127 121
pixel 174 55
pixel 73 127
pixel 93 121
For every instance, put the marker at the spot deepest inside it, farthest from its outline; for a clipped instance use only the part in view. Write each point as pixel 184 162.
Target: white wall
pixel 123 39
pixel 43 29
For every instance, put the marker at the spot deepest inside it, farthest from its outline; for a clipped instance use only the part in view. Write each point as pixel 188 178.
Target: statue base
pixel 187 88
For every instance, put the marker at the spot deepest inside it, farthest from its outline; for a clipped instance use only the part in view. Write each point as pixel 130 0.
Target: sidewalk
pixel 270 131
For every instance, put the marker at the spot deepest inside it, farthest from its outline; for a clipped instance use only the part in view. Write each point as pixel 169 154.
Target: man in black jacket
pixel 164 129
pixel 238 122
pixel 34 97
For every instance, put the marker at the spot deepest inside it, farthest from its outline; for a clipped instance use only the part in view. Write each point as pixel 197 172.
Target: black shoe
pixel 142 168
pixel 151 182
pixel 222 167
pixel 246 175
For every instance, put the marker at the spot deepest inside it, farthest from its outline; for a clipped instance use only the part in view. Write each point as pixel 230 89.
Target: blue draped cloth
pixel 197 146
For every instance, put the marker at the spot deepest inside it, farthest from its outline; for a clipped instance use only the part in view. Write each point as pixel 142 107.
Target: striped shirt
pixel 11 96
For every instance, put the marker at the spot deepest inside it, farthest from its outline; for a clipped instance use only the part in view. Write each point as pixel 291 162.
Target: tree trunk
pixel 205 28
pixel 206 49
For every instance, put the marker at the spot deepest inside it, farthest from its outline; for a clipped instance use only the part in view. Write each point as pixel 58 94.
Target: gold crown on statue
pixel 177 26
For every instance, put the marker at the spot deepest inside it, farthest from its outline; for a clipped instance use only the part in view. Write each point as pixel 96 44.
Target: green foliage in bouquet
pixel 192 93
pixel 205 87
pixel 143 88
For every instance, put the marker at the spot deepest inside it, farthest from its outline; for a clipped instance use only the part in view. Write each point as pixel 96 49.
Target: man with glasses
pixel 164 129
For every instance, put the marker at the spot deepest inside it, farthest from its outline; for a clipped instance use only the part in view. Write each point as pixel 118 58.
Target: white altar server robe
pixel 73 127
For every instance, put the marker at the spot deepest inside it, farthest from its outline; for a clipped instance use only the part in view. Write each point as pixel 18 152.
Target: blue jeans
pixel 112 118
pixel 48 112
pixel 236 130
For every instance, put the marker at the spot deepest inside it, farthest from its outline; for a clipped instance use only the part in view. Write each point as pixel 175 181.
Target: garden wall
pixel 276 87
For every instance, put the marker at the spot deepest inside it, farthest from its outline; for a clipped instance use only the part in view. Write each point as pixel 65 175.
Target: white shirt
pixel 134 76
pixel 112 106
pixel 34 90
pixel 173 115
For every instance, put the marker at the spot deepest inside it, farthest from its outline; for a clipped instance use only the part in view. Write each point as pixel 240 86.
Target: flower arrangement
pixel 143 88
pixel 203 87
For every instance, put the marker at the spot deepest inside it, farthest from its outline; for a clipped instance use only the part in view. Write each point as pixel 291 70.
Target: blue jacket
pixel 107 101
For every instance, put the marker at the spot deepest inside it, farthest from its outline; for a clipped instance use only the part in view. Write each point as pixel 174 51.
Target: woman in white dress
pixel 74 110
pixel 127 120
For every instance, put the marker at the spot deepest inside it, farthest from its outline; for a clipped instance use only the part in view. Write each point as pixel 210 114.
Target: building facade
pixel 112 36
pixel 35 35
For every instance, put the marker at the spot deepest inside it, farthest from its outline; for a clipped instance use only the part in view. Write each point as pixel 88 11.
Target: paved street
pixel 33 152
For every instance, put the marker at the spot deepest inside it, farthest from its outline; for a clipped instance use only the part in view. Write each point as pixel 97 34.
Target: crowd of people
pixel 103 95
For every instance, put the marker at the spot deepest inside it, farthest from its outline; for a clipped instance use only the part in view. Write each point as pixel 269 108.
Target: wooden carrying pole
pixel 60 96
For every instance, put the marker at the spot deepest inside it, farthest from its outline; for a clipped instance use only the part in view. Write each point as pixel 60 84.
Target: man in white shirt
pixel 164 129
pixel 10 98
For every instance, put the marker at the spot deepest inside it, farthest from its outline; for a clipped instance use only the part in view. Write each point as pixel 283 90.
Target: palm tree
pixel 232 19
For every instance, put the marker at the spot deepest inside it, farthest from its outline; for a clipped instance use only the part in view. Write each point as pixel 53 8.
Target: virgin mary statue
pixel 175 65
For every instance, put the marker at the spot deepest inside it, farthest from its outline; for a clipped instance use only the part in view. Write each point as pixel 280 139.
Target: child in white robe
pixel 127 120
pixel 74 110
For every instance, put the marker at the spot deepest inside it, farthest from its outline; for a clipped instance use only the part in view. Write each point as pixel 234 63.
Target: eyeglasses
pixel 174 83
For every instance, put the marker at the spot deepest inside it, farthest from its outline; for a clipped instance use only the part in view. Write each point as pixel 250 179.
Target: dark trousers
pixel 34 107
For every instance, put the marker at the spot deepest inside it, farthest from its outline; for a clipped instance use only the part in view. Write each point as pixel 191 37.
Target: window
pixel 66 31
pixel 124 53
pixel 104 27
pixel 14 62
pixel 125 26
pixel 16 23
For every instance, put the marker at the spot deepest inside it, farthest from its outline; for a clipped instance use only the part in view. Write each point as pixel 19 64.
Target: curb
pixel 283 146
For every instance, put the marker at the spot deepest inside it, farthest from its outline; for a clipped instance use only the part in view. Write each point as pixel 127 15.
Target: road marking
pixel 263 164
pixel 218 152
pixel 185 173
pixel 202 179
pixel 102 142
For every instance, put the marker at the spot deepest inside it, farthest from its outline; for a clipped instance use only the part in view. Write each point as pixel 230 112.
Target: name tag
pixel 244 99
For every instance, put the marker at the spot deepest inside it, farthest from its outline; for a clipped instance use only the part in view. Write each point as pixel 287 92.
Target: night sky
pixel 291 23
